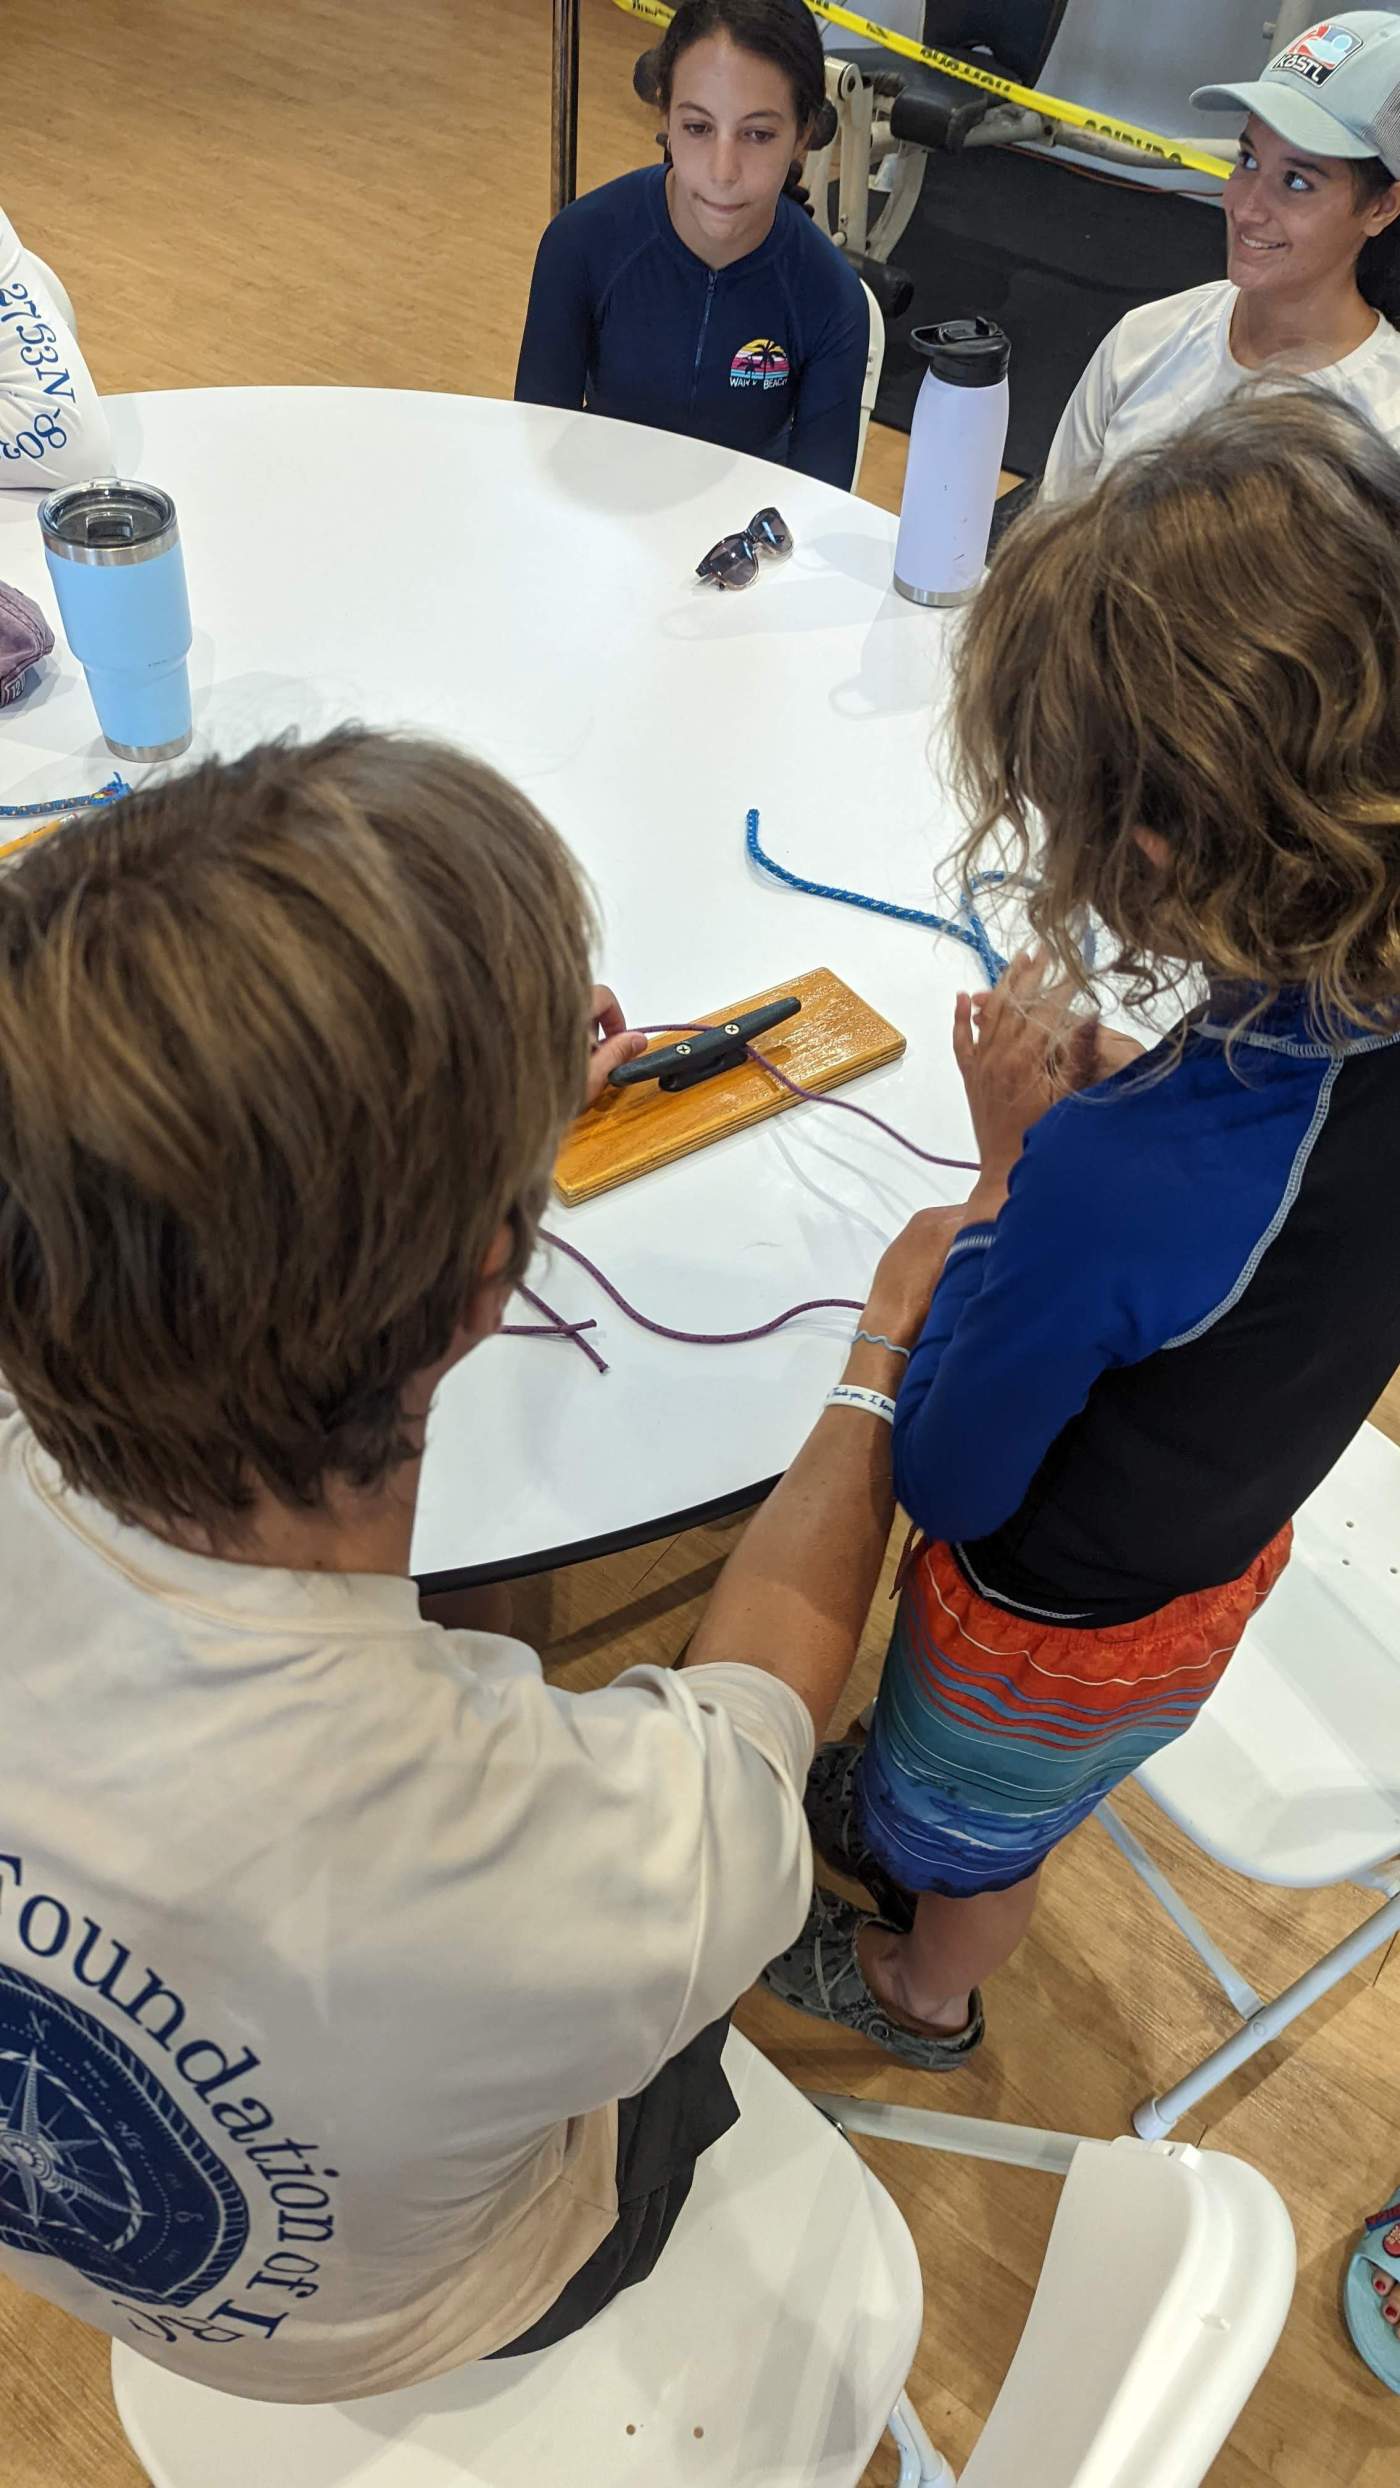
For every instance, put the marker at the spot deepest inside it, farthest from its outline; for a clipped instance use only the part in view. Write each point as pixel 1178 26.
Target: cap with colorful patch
pixel 1334 89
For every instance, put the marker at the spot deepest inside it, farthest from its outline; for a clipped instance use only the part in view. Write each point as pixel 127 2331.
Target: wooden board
pixel 834 1037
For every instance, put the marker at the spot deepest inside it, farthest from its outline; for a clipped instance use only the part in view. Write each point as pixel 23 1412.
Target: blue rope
pixel 115 787
pixel 966 927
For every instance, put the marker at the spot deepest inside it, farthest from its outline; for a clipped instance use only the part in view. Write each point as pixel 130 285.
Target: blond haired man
pixel 361 1994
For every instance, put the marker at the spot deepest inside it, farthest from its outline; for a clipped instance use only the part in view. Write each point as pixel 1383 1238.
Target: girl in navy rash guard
pixel 698 295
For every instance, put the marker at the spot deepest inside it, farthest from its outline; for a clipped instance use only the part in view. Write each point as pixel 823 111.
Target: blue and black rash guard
pixel 767 355
pixel 1188 1305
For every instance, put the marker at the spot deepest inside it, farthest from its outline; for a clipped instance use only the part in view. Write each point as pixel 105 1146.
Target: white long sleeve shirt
pixel 329 1941
pixel 52 427
pixel 1166 362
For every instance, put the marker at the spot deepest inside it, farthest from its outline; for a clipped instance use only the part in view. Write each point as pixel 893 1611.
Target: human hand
pixel 908 1272
pixel 1013 1047
pixel 613 1042
pixel 1022 1047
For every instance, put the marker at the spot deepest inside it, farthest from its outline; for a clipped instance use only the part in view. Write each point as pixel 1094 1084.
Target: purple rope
pixel 553 1326
pixel 556 1327
pixel 696 1338
pixel 818 1097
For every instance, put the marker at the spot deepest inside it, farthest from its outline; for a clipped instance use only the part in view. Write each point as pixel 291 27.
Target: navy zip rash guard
pixel 766 356
pixel 1188 1305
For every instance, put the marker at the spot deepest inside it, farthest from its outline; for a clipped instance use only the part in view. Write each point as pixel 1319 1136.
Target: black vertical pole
pixel 565 149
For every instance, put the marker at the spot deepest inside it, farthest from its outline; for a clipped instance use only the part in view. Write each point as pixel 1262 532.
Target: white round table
pixel 521 581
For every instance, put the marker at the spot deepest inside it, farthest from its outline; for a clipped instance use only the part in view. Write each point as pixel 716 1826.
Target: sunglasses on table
pixel 733 562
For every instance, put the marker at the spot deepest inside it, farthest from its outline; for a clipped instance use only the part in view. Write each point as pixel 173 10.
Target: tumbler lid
pixel 108 522
pixel 971 354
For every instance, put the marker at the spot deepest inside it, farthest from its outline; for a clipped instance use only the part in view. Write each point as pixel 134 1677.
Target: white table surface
pixel 521 581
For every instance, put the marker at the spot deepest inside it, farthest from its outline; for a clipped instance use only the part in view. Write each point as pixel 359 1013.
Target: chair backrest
pixel 1291 1772
pixel 874 366
pixel 1018 33
pixel 770 2344
pixel 1164 2289
pixel 773 2341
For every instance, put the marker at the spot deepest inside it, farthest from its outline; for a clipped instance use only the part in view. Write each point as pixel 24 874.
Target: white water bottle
pixel 955 450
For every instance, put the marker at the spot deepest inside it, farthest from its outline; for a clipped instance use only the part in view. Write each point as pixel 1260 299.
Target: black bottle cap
pixel 970 354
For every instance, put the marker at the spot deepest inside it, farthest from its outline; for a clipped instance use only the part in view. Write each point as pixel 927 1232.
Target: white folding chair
pixel 874 366
pixel 1291 1773
pixel 771 2346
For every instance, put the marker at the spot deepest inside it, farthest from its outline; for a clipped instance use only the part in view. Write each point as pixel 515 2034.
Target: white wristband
pixel 846 1395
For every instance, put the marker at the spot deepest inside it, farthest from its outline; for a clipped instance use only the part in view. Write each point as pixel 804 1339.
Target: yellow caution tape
pixel 1050 107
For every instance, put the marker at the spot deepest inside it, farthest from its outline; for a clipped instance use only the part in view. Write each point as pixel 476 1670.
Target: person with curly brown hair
pixel 1175 1293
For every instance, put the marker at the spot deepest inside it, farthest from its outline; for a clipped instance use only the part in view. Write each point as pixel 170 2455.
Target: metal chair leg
pixel 1221 1968
pixel 933 2129
pixel 921 2465
pixel 1154 2118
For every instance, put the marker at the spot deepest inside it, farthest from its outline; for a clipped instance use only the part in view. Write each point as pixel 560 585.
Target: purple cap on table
pixel 24 638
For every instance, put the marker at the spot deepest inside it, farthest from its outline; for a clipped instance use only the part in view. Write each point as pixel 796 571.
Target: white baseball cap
pixel 1334 89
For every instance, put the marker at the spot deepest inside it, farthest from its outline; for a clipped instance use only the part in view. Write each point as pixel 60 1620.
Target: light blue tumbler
pixel 113 551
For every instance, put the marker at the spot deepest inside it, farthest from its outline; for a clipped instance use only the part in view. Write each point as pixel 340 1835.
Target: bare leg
pixel 927 1976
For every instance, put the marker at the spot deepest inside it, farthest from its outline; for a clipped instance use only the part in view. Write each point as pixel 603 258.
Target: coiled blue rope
pixel 966 927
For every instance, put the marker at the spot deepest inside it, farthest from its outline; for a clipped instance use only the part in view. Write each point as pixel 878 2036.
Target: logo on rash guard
pixel 1318 52
pixel 761 364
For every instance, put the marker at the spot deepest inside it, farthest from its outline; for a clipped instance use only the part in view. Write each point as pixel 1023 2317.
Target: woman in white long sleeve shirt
pixel 1313 281
pixel 52 427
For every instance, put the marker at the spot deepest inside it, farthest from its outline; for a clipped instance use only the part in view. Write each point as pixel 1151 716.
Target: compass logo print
pixel 98 2166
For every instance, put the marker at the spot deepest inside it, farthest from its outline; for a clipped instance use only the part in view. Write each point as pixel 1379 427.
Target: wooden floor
pixel 328 190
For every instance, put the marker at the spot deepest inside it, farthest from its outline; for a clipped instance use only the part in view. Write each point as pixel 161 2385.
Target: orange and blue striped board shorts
pixel 994 1735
